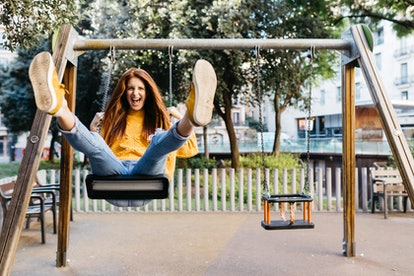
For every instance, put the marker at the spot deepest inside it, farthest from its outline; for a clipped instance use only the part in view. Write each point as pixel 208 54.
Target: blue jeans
pixel 104 162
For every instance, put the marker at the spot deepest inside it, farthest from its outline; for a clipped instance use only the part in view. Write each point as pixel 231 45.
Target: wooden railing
pixel 202 190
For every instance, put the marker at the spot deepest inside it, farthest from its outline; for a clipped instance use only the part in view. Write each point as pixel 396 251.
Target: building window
pixel 378 61
pixel 379 36
pixel 338 94
pixel 236 118
pixel 404 73
pixel 404 48
pixel 322 99
pixel 358 90
pixel 404 95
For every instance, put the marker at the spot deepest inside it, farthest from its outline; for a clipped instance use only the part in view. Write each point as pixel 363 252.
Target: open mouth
pixel 136 100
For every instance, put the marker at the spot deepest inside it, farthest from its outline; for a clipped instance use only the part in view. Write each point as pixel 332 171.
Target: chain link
pixel 170 71
pixel 261 126
pixel 308 129
pixel 112 61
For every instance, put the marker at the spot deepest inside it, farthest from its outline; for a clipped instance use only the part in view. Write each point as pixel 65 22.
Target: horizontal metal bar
pixel 211 44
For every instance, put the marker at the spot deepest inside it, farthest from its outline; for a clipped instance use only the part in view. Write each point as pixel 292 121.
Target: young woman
pixel 136 135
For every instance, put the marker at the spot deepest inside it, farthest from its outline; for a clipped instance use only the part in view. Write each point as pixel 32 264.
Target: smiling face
pixel 136 93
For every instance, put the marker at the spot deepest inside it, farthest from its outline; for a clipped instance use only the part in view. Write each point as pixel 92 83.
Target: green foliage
pixel 9 169
pixel 400 13
pixel 12 169
pixel 252 123
pixel 46 165
pixel 27 22
pixel 198 162
pixel 16 97
pixel 284 74
pixel 288 160
pixel 253 161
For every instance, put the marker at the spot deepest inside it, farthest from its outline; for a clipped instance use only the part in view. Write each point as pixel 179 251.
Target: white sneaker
pixel 200 100
pixel 49 93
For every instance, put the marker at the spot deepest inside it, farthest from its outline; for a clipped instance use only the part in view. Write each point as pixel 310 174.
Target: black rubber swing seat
pixel 291 224
pixel 127 186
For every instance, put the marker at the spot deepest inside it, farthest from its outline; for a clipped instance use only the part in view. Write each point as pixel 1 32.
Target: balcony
pixel 403 52
pixel 404 80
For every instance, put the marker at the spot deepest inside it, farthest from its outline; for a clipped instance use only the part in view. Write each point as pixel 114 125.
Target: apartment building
pixel 394 58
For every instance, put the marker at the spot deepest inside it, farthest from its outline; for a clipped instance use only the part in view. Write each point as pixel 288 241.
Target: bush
pixel 286 160
pixel 198 162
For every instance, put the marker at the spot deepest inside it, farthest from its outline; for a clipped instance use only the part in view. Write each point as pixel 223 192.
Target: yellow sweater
pixel 132 145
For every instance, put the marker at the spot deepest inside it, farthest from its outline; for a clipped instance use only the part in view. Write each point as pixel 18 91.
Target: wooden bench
pixel 36 209
pixel 387 183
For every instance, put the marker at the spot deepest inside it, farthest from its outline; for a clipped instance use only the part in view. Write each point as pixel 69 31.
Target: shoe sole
pixel 40 73
pixel 205 83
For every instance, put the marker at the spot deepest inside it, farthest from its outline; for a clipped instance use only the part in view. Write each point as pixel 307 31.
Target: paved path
pixel 219 244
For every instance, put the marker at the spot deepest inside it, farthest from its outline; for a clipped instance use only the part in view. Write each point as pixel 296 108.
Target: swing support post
pixel 13 224
pixel 348 155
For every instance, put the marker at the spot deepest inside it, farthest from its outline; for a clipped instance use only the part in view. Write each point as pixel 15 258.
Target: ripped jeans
pixel 104 162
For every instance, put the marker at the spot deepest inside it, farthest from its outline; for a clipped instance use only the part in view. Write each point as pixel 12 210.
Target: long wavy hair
pixel 116 111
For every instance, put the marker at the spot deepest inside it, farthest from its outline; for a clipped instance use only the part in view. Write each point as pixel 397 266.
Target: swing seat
pixel 127 186
pixel 305 223
pixel 285 225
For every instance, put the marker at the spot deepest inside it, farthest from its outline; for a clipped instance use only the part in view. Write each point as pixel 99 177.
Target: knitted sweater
pixel 132 145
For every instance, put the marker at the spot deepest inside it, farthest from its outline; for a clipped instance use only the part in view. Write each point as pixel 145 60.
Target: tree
pixel 284 73
pixel 400 13
pixel 219 19
pixel 188 19
pixel 200 19
pixel 27 22
pixel 17 102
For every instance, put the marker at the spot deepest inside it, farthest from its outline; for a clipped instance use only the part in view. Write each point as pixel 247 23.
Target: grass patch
pixel 12 169
pixel 9 169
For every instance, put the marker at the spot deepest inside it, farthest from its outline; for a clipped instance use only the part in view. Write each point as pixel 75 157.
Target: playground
pixel 219 243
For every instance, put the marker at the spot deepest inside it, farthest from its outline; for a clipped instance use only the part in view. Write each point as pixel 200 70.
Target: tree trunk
pixel 205 139
pixel 52 150
pixel 226 116
pixel 234 147
pixel 278 130
pixel 279 109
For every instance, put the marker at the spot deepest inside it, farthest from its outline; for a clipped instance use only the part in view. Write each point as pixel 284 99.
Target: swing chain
pixel 112 61
pixel 107 75
pixel 170 69
pixel 308 128
pixel 261 126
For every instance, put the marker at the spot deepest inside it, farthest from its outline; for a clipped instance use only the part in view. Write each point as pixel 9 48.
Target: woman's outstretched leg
pixel 199 112
pixel 50 97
